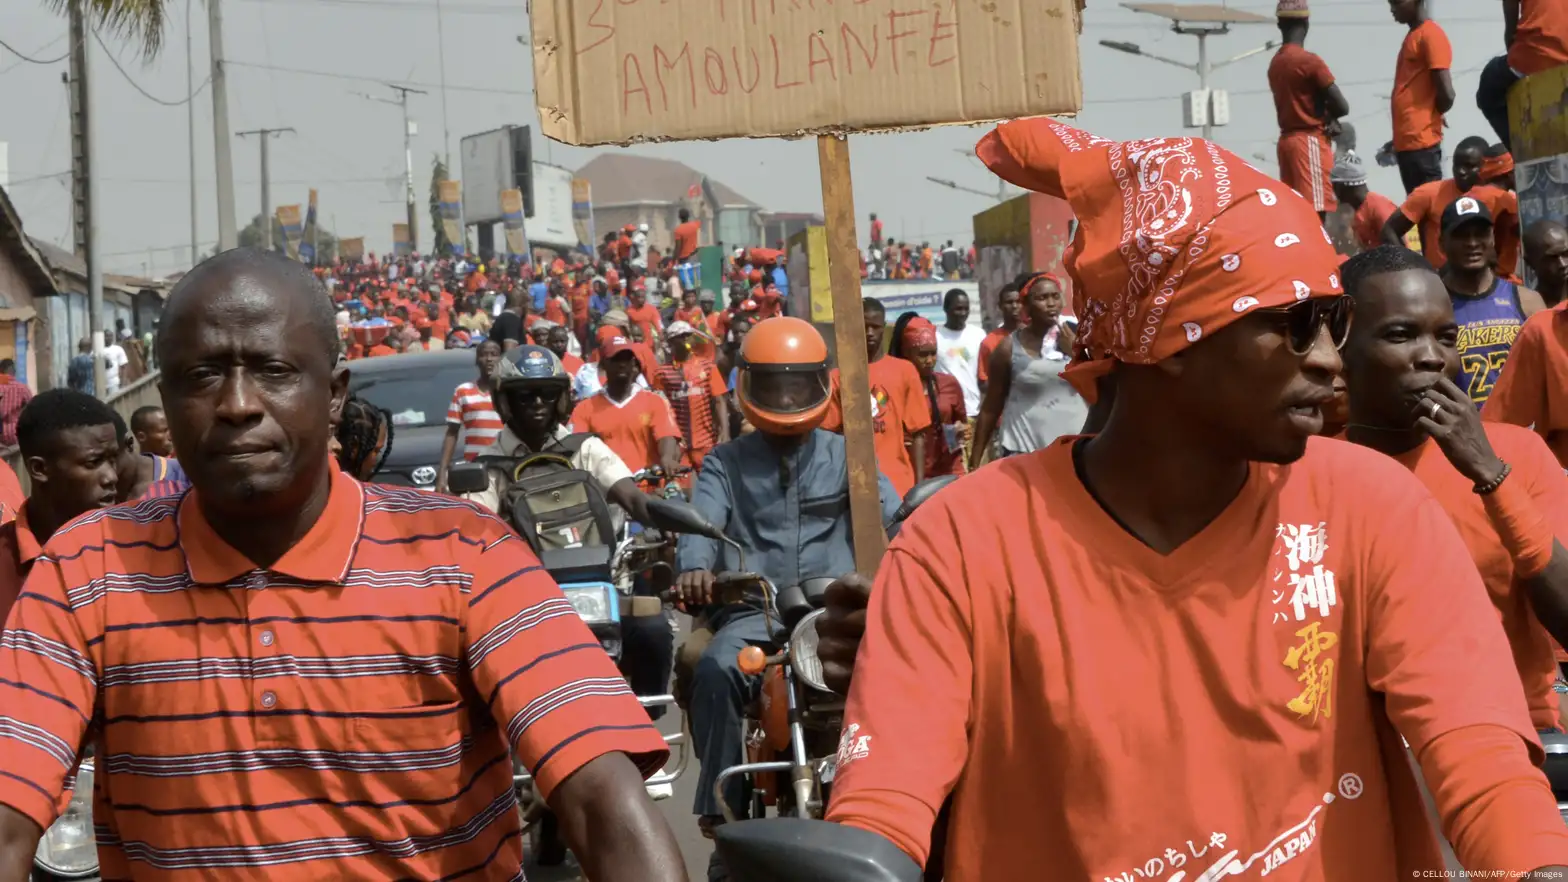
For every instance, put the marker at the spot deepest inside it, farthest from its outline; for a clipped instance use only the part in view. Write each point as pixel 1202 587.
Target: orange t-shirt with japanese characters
pixel 1417 122
pixel 1533 467
pixel 632 428
pixel 899 412
pixel 1533 388
pixel 1101 711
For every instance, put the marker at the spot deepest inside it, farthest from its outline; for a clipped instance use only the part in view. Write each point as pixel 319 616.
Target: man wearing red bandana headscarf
pixel 1187 647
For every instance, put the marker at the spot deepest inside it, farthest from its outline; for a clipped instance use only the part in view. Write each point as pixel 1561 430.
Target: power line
pixel 461 8
pixel 364 79
pixel 145 94
pixel 25 57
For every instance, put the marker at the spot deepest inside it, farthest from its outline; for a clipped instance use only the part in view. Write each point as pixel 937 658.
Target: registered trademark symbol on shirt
pixel 1350 785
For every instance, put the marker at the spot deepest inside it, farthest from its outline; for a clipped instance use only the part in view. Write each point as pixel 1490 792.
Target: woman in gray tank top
pixel 1027 403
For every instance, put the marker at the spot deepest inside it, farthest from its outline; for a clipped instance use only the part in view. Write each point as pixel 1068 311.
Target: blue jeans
pixel 719 695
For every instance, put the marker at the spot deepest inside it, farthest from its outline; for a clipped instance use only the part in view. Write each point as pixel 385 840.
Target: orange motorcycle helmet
pixel 782 377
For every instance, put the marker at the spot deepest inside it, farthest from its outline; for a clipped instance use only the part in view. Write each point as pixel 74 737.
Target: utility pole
pixel 266 181
pixel 75 85
pixel 446 130
pixel 84 184
pixel 223 157
pixel 408 156
pixel 190 123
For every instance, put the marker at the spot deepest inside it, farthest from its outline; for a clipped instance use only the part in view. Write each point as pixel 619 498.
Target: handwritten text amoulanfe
pixel 745 48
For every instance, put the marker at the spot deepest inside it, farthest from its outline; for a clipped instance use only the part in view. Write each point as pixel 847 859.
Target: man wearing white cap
pixel 1372 209
pixel 1308 105
pixel 695 388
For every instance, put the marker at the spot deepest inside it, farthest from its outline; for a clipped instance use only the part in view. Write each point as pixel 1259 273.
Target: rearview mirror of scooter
pixel 467 477
pixel 801 850
pixel 676 516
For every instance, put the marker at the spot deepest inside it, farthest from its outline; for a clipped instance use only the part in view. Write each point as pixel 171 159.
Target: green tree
pixel 250 237
pixel 438 173
pixel 140 21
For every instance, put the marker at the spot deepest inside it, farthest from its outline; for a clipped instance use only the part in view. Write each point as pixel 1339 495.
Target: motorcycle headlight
pixel 803 652
pixel 592 603
pixel 69 847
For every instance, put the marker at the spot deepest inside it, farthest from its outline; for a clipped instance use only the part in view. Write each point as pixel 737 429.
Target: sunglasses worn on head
pixel 1304 321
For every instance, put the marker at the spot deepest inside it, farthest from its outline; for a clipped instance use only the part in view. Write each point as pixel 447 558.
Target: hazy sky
pixel 350 148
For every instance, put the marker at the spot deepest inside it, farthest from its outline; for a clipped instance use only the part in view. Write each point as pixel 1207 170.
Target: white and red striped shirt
pixel 472 409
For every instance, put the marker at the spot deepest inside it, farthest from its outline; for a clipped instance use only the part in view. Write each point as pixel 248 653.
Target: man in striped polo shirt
pixel 291 675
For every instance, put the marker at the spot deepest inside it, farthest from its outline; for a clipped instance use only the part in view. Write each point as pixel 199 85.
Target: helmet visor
pixel 784 392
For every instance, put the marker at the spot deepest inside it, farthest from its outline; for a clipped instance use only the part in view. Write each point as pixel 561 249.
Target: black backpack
pixel 551 503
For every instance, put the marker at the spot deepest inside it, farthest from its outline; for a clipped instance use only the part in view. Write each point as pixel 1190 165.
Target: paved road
pixel 676 810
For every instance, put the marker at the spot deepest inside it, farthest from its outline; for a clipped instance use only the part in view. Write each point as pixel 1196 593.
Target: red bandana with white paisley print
pixel 1177 238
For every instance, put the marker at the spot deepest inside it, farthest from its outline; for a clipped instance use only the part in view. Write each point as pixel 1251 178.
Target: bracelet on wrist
pixel 1492 485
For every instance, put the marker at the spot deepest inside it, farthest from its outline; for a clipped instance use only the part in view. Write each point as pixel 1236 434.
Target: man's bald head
pixel 1542 235
pixel 279 276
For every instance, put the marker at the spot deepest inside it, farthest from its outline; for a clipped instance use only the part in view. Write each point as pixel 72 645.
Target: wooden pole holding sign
pixel 634 71
pixel 849 334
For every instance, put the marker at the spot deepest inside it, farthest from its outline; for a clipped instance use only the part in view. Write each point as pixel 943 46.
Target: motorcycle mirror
pixel 467 477
pixel 801 850
pixel 675 516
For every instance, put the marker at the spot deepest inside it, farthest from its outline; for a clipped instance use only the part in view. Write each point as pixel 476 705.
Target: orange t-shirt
pixel 571 363
pixel 1533 465
pixel 381 349
pixel 1533 388
pixel 1417 124
pixel 693 317
pixel 686 239
pixel 632 428
pixel 988 346
pixel 1109 712
pixel 899 412
pixel 555 311
pixel 1504 205
pixel 11 495
pixel 580 298
pixel 1297 77
pixel 647 318
pixel 1540 38
pixel 1370 218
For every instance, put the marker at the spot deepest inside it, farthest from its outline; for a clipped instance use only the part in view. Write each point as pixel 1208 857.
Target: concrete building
pixel 128 302
pixel 26 287
pixel 629 189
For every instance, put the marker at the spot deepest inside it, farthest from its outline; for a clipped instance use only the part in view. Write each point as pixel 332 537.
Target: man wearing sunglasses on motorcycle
pixel 1195 653
pixel 782 493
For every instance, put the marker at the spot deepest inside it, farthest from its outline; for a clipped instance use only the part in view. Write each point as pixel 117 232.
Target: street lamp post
pixel 1203 68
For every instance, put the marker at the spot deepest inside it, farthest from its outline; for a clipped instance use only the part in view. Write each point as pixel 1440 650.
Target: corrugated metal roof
pixel 626 178
pixel 1200 12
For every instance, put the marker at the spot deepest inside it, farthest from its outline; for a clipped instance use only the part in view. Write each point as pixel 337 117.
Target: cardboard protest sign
pixel 620 71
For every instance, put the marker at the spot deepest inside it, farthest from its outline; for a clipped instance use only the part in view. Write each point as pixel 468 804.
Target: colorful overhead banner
pixel 401 246
pixel 293 229
pixel 582 212
pixel 452 214
pixel 307 244
pixel 351 250
pixel 512 222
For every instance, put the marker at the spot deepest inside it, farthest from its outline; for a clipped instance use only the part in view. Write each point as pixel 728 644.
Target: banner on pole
pixel 451 193
pixel 628 71
pixel 401 246
pixel 582 213
pixel 352 250
pixel 512 222
pixel 293 229
pixel 307 244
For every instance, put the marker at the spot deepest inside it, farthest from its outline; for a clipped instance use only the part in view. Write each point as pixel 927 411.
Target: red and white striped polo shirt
pixel 472 409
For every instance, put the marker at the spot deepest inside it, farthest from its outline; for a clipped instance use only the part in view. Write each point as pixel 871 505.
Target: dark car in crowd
pixel 416 388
